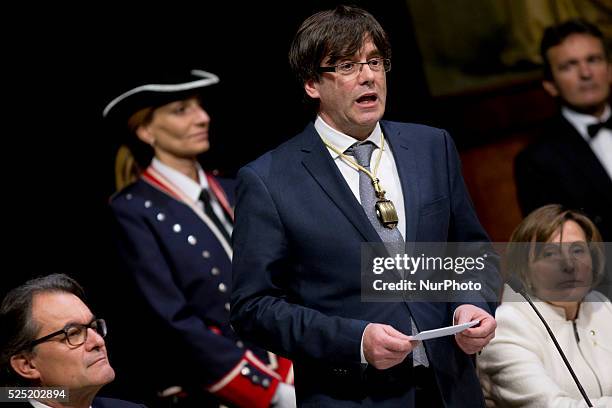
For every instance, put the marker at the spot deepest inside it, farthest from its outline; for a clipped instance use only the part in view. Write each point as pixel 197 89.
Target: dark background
pixel 65 65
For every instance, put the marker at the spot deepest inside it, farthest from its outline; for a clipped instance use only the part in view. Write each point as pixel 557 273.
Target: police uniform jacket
pixel 181 265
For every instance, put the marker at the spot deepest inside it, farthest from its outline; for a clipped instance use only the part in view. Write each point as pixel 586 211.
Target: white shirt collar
pixel 181 181
pixel 581 120
pixel 343 141
pixel 38 404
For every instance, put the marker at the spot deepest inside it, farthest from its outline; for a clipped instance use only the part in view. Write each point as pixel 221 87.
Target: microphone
pixel 516 285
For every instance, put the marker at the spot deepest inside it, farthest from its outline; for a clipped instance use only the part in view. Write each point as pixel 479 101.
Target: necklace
pixel 385 210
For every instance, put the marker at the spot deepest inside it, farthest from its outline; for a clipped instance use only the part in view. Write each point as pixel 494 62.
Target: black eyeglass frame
pixel 98 325
pixel 386 65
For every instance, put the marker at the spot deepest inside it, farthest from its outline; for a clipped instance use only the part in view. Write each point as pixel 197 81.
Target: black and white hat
pixel 164 89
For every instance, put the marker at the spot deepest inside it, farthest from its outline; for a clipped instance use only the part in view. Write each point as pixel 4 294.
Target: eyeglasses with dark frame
pixel 75 334
pixel 351 67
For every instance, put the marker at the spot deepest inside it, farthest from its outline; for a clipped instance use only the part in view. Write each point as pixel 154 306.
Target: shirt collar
pixel 181 181
pixel 38 404
pixel 343 141
pixel 581 120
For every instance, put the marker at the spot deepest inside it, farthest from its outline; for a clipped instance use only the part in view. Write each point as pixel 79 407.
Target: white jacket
pixel 522 368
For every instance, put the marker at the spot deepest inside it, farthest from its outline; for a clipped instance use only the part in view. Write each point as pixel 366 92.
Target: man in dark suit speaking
pixel 572 163
pixel 50 338
pixel 305 208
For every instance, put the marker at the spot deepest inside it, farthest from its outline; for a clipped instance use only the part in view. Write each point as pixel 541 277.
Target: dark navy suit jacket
pixel 561 168
pixel 296 267
pixel 113 403
pixel 98 402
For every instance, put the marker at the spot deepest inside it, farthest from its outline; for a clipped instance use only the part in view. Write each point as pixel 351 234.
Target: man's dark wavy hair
pixel 333 35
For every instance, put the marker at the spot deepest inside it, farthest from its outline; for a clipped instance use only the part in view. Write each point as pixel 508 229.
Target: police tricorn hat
pixel 164 89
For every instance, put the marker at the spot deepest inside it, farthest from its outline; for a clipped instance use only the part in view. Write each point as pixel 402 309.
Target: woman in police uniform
pixel 174 226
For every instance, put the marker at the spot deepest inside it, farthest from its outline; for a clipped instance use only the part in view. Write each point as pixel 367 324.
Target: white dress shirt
pixel 389 181
pixel 387 170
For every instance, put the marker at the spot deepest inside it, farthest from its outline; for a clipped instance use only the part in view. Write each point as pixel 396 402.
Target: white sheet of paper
pixel 444 331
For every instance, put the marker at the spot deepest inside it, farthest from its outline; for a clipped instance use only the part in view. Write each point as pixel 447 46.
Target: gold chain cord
pixel 356 165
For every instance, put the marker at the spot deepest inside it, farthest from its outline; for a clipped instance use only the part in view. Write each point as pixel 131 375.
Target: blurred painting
pixel 472 45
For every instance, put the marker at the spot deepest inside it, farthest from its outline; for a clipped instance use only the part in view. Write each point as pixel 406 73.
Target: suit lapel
pixel 405 161
pixel 322 168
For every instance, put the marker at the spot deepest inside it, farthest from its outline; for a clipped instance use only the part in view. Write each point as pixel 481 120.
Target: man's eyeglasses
pixel 76 334
pixel 350 68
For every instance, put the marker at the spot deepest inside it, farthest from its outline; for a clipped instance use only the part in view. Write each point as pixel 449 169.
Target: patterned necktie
pixel 594 128
pixel 205 198
pixel 363 153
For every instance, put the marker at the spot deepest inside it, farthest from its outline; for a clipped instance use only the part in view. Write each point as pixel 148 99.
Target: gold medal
pixel 385 210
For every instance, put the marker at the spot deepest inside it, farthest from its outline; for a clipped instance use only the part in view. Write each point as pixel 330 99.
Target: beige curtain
pixel 527 20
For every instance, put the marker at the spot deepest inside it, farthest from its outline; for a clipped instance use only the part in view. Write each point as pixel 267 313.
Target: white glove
pixel 284 396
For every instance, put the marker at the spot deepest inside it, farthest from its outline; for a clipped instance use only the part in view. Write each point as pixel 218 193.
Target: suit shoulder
pixel 135 193
pixel 411 128
pixel 422 137
pixel 101 402
pixel 539 151
pixel 557 134
pixel 228 184
pixel 226 181
pixel 133 188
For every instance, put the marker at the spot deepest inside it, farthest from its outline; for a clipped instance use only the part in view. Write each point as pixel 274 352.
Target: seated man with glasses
pixel 50 338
